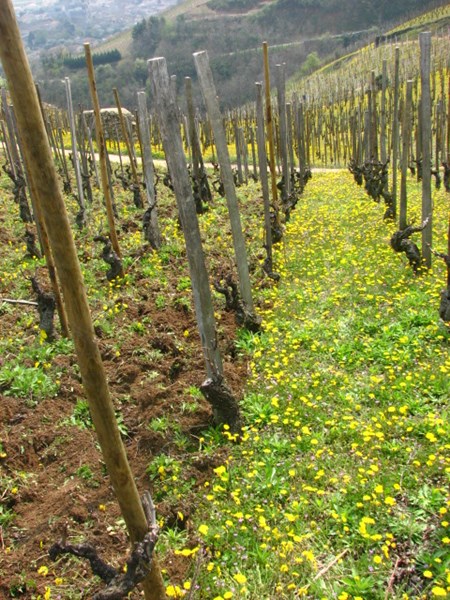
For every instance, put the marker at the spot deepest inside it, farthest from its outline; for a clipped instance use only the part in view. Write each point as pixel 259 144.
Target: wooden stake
pixel 192 131
pixel 261 141
pixel 427 211
pixel 406 133
pixel 209 92
pixel 281 95
pixel 126 138
pixel 102 151
pixel 75 157
pixel 269 126
pixel 44 176
pixel 153 234
pixel 395 130
pixel 173 149
pixel 383 153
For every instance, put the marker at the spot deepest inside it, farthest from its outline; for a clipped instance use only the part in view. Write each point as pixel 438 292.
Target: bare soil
pixel 50 449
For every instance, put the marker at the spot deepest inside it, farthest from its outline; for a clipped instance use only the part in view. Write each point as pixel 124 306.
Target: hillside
pixel 301 33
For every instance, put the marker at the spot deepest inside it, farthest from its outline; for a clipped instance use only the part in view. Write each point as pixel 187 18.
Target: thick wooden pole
pixel 127 141
pixel 88 134
pixel 75 157
pixel 209 93
pixel 281 95
pixel 153 234
pixel 173 149
pixel 383 153
pixel 269 126
pixel 448 121
pixel 237 144
pixel 45 181
pixel 193 137
pixel 102 152
pixel 395 131
pixel 261 141
pixel 301 140
pixel 406 134
pixel 425 96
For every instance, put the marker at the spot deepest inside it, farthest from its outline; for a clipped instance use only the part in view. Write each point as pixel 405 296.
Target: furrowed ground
pixel 339 488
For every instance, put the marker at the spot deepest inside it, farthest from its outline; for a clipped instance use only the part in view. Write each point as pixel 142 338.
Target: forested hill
pixel 300 33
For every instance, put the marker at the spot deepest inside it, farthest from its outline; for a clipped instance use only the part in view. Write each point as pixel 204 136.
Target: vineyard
pixel 224 364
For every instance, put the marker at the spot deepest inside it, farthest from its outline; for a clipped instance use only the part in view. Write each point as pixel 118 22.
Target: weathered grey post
pixel 224 412
pixel 301 141
pixel 244 152
pixel 254 161
pixel 15 158
pixel 173 149
pixel 395 131
pixel 152 232
pixel 193 137
pixel 7 147
pixel 269 125
pixel 448 125
pixel 88 134
pixel 75 157
pixel 126 138
pixel 64 161
pixel 46 184
pixel 419 157
pixel 81 136
pixel 289 138
pixel 366 138
pixel 438 126
pixel 425 58
pixel 212 105
pixel 374 117
pixel 237 144
pixel 262 156
pixel 383 153
pixel 281 96
pixel 406 134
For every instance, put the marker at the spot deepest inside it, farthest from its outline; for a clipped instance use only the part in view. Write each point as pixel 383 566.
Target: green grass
pixel 339 488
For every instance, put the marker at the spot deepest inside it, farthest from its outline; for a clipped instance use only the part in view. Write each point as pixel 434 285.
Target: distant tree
pixel 312 62
pixel 147 34
pixel 140 71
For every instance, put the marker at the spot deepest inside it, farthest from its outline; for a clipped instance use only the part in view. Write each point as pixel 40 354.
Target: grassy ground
pixel 340 487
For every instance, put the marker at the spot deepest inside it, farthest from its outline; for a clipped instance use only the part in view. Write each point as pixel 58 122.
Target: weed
pixel 81 416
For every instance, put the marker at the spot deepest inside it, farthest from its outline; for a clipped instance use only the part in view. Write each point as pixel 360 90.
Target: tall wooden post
pixel 225 407
pixel 281 95
pixel 127 141
pixel 193 137
pixel 153 234
pixel 237 144
pixel 425 58
pixel 448 121
pixel 209 93
pixel 45 180
pixel 261 141
pixel 406 134
pixel 395 131
pixel 102 152
pixel 173 149
pixel 383 153
pixel 269 126
pixel 75 157
pixel 301 140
